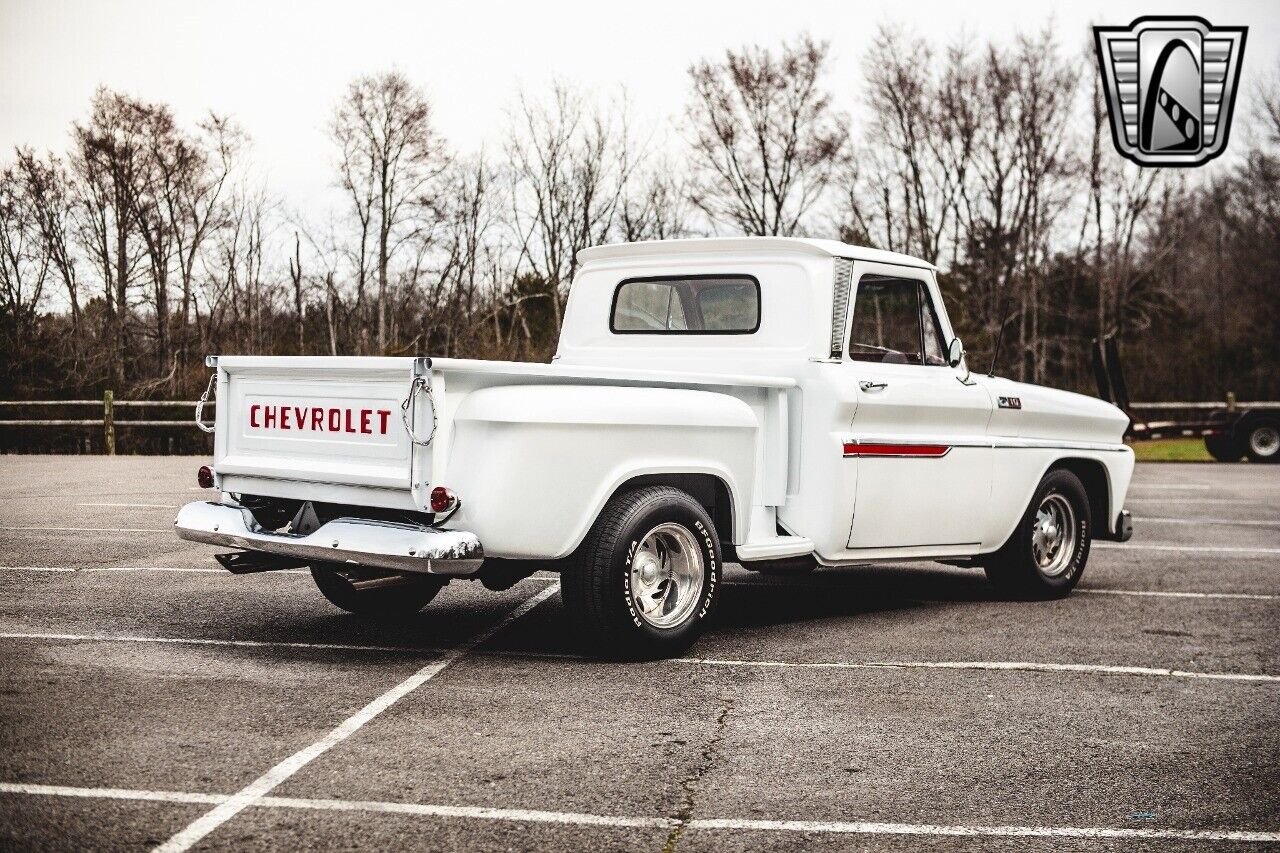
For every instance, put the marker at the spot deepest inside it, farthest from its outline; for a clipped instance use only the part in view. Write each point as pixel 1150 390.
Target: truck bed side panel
pixel 534 465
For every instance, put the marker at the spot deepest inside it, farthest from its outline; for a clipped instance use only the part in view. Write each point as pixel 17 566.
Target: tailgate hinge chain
pixel 420 383
pixel 204 398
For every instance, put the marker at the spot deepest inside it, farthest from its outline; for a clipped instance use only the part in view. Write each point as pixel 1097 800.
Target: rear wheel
pixel 1262 440
pixel 647 578
pixel 1046 555
pixel 1223 448
pixel 374 593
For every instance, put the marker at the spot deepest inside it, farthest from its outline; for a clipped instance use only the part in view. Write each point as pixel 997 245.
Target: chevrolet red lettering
pixel 319 419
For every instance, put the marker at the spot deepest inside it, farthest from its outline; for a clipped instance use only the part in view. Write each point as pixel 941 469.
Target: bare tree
pixel 390 156
pixel 193 184
pixel 49 198
pixel 24 262
pixel 110 162
pixel 568 167
pixel 295 278
pixel 910 177
pixel 170 161
pixel 766 141
pixel 655 204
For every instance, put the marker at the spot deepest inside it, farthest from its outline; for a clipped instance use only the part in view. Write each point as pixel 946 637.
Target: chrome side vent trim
pixel 840 305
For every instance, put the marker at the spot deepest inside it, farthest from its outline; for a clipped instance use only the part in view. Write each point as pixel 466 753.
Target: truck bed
pixel 334 428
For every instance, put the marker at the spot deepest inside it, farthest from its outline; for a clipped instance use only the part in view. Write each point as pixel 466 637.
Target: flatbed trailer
pixel 1231 431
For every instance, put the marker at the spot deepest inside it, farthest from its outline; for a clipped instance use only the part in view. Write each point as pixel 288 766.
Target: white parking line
pixel 132 506
pixel 452 654
pixel 1174 546
pixel 868 828
pixel 1244 596
pixel 1183 499
pixel 109 793
pixel 268 781
pixel 628 822
pixel 475 812
pixel 90 529
pixel 200 641
pixel 1199 486
pixel 1014 666
pixel 1146 519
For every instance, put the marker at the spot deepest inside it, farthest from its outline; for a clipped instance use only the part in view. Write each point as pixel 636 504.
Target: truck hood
pixel 1033 411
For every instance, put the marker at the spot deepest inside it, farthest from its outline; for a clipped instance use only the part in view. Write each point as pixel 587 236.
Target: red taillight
pixel 204 477
pixel 442 499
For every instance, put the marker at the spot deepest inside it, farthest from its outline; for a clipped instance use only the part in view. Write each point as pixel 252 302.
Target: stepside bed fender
pixel 535 464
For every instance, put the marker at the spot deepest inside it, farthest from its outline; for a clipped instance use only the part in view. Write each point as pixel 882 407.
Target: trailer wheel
pixel 647 577
pixel 1046 555
pixel 375 594
pixel 1223 448
pixel 1262 440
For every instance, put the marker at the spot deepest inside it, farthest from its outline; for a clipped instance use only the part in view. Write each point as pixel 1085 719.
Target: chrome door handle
pixel 868 385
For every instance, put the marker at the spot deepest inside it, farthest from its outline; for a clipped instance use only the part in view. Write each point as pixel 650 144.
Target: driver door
pixel 919 431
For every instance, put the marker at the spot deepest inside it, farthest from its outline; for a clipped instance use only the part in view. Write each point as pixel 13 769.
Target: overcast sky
pixel 278 68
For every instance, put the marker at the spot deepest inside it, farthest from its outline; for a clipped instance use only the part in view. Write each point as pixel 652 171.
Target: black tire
pixel 1014 569
pixel 1223 448
pixel 597 584
pixel 403 598
pixel 1262 440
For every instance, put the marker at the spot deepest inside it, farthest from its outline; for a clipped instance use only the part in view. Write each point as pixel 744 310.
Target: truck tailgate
pixel 287 421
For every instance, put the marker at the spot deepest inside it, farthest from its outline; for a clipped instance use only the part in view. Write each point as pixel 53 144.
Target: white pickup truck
pixel 781 403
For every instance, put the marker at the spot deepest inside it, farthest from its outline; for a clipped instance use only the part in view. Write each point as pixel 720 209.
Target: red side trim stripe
pixel 929 451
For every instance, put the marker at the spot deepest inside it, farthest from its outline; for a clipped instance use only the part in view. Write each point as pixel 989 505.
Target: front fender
pixel 1018 471
pixel 534 464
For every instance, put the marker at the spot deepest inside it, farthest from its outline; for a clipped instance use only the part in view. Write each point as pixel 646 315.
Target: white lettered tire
pixel 647 579
pixel 1046 555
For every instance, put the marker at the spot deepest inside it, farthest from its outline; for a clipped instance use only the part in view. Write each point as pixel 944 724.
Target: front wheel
pixel 647 578
pixel 374 594
pixel 1262 440
pixel 1046 555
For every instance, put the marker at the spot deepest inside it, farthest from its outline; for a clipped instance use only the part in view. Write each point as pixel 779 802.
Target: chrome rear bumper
pixel 363 542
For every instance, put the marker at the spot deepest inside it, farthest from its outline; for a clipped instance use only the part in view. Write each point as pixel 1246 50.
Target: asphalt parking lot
pixel 148 698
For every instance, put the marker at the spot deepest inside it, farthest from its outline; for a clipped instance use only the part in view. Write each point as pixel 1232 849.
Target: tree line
pixel 147 244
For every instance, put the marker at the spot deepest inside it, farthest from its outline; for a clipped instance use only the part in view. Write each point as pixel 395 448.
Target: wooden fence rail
pixel 108 421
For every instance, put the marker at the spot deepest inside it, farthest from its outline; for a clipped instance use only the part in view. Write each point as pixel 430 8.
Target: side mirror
pixel 955 352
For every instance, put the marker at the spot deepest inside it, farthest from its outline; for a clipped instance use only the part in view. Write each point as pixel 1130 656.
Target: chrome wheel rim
pixel 1053 536
pixel 666 575
pixel 1264 441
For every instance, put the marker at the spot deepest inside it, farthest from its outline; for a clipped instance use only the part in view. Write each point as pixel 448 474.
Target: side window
pixel 886 321
pixel 710 305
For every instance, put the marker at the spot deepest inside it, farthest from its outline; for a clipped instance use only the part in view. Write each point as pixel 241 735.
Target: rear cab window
pixel 687 305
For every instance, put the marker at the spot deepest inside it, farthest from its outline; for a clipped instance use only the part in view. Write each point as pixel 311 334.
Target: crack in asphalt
pixel 690 782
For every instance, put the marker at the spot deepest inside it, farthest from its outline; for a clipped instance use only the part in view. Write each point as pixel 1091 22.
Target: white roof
pixel 799 245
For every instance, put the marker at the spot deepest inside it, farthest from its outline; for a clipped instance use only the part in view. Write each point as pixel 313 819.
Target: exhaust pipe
pixel 253 562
